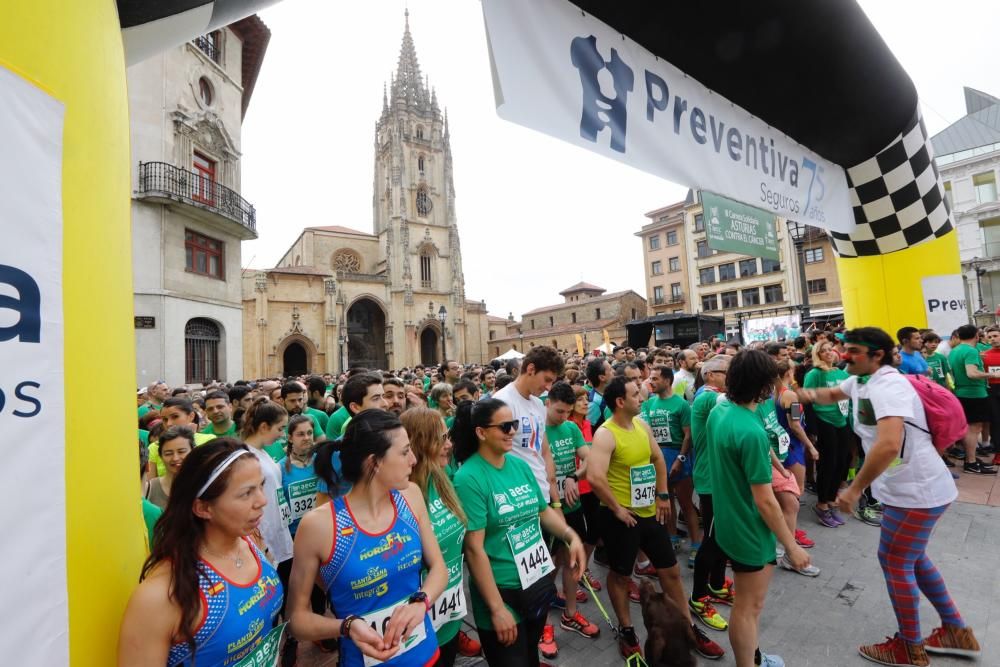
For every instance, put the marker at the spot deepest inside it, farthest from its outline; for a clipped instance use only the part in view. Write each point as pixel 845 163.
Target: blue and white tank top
pixel 237 616
pixel 371 574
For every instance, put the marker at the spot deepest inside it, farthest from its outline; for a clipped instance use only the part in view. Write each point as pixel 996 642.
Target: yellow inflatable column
pixel 886 291
pixel 72 49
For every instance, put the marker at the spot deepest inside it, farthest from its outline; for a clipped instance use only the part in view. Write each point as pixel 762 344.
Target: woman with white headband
pixel 207 595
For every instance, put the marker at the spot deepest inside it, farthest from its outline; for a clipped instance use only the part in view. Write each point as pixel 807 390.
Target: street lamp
pixel 342 339
pixel 442 316
pixel 798 232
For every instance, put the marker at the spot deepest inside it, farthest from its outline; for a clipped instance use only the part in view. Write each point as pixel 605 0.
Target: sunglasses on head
pixel 506 427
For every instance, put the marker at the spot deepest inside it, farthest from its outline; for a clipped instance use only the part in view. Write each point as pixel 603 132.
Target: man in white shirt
pixel 909 478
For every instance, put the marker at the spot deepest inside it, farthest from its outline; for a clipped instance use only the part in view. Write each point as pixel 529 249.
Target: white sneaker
pixel 779 552
pixel 808 571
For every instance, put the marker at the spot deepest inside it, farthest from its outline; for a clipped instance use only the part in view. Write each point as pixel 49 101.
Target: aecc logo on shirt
pixel 26 328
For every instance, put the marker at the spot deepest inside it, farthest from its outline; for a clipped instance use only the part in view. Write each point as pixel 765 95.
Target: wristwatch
pixel 682 458
pixel 664 496
pixel 572 476
pixel 420 596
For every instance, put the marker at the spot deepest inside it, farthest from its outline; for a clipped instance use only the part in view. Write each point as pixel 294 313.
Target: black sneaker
pixel 948 462
pixel 811 487
pixel 628 643
pixel 977 468
pixel 957 454
pixel 983 450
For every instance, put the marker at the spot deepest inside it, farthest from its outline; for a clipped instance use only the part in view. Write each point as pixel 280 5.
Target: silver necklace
pixel 237 560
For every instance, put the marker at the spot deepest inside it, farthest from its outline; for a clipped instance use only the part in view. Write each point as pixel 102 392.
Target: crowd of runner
pixel 353 508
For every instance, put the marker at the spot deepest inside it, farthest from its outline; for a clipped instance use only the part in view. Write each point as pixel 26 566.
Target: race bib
pixel 843 405
pixel 561 486
pixel 379 621
pixel 450 606
pixel 993 370
pixel 662 435
pixel 302 497
pixel 266 652
pixel 783 442
pixel 642 485
pixel 286 511
pixel 531 556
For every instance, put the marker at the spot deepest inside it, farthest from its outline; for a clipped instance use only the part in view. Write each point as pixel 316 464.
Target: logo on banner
pixel 27 306
pixel 752 150
pixel 599 110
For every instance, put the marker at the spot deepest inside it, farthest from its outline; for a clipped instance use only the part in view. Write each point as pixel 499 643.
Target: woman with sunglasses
pixel 206 595
pixel 511 565
pixel 432 448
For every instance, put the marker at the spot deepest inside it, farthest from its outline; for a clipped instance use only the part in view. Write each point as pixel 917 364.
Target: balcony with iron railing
pixel 207 45
pixel 669 299
pixel 206 199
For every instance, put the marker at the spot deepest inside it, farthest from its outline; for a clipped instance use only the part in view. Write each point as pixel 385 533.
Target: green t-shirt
pixel 210 430
pixel 335 424
pixel 739 452
pixel 834 413
pixel 667 417
pixel 146 407
pixel 150 515
pixel 777 436
pixel 938 365
pixel 983 347
pixel 144 437
pixel 319 417
pixel 498 500
pixel 966 387
pixel 276 450
pixel 703 405
pixel 450 533
pixel 564 440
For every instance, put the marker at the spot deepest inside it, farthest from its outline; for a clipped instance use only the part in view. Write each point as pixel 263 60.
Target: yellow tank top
pixel 631 475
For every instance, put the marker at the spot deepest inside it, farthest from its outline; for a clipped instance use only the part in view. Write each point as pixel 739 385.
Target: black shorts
pixel 591 505
pixel 747 569
pixel 578 522
pixel 977 410
pixel 623 542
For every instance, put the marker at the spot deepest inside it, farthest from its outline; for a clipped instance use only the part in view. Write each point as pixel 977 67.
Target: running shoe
pixel 949 640
pixel 895 652
pixel 836 517
pixel 808 571
pixel 811 487
pixel 628 643
pixel 767 660
pixel 594 582
pixel 867 515
pixel 996 460
pixel 983 450
pixel 560 600
pixel 825 517
pixel 705 646
pixel 706 613
pixel 977 468
pixel 779 551
pixel 876 506
pixel 951 464
pixel 547 644
pixel 675 542
pixel 467 646
pixel 633 591
pixel 725 595
pixel 580 625
pixel 648 571
pixel 803 540
pixel 693 554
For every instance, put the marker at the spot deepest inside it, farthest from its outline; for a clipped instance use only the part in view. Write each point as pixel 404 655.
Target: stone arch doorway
pixel 295 360
pixel 366 334
pixel 430 347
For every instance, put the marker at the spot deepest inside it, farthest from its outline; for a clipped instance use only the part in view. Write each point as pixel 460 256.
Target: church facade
pixel 341 297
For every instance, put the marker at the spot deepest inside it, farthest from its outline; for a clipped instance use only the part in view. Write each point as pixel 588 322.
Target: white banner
pixel 945 303
pixel 570 76
pixel 32 409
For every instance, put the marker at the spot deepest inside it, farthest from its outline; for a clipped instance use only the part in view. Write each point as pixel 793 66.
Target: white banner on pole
pixel 945 303
pixel 568 75
pixel 32 407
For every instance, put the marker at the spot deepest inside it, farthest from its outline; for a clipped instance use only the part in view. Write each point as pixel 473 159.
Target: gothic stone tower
pixel 414 215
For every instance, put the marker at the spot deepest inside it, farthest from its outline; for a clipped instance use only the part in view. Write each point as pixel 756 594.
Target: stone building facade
pixel 586 311
pixel 189 217
pixel 341 297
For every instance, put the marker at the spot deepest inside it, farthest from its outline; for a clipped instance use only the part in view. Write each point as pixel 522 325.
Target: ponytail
pixel 261 411
pixel 468 417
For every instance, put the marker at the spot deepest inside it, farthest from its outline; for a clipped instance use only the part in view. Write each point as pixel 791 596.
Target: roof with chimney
pixel 582 287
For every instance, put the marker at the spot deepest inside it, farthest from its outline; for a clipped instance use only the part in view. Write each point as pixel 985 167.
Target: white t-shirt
pixel 686 379
pixel 528 436
pixel 919 478
pixel 273 528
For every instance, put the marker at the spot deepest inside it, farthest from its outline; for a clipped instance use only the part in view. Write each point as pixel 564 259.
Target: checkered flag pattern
pixel 898 197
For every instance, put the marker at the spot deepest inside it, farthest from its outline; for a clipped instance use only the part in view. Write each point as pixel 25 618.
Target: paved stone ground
pixel 820 622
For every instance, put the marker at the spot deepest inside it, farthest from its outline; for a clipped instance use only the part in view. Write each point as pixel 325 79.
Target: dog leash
pixel 634 660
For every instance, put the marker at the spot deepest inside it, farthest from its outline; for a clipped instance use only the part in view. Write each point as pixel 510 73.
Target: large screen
pixel 781 327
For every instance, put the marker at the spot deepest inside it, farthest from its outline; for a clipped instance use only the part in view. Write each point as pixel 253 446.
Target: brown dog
pixel 669 638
